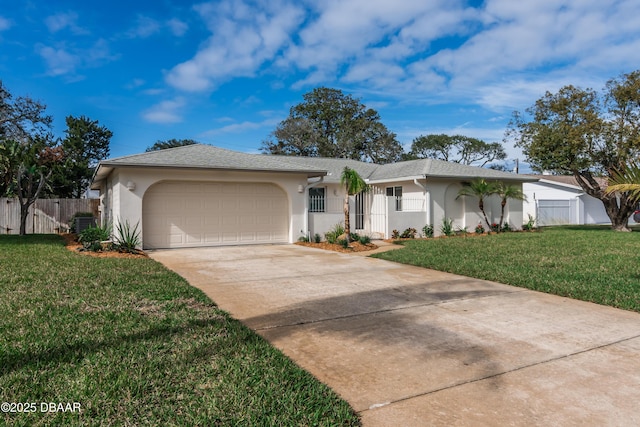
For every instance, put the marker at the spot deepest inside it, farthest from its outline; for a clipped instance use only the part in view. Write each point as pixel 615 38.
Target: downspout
pixel 427 198
pixel 579 201
pixel 306 230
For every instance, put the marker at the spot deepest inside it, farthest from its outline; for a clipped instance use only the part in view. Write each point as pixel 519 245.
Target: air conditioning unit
pixel 83 222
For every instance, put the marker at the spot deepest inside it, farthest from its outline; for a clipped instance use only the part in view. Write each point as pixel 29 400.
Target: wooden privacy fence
pixel 45 215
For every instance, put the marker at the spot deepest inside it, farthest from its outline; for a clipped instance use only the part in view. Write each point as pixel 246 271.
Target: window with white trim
pixel 397 193
pixel 317 199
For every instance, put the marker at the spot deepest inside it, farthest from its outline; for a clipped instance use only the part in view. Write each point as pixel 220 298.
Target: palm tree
pixel 506 192
pixel 481 189
pixel 626 180
pixel 353 184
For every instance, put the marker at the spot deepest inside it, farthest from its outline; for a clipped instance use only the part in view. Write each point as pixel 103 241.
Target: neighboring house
pixel 200 195
pixel 558 199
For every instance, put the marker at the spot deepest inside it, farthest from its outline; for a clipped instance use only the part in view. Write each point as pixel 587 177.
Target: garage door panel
pixel 193 238
pixel 183 214
pixel 212 238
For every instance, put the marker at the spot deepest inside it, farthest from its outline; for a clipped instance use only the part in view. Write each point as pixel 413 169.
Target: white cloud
pixel 166 111
pixel 5 24
pixel 145 27
pixel 500 55
pixel 177 27
pixel 241 127
pixel 135 83
pixel 64 60
pixel 242 40
pixel 61 21
pixel 59 61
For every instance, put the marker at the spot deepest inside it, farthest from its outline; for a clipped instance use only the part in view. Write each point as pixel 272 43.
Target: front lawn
pixel 133 344
pixel 587 263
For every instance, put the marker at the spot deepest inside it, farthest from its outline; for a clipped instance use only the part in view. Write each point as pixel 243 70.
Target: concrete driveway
pixel 410 346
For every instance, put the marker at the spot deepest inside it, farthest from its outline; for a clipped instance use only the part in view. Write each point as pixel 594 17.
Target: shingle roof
pixel 568 179
pixel 334 167
pixel 202 156
pixel 208 156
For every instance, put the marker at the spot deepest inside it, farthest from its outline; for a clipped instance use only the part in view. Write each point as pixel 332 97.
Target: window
pixel 316 199
pixel 397 193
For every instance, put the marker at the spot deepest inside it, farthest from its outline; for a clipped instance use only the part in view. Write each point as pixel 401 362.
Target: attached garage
pixel 177 214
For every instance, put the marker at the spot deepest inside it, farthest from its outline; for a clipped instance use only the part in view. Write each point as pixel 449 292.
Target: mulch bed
pixel 71 243
pixel 353 246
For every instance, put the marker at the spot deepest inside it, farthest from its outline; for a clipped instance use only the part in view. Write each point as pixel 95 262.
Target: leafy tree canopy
pixel 85 144
pixel 456 148
pixel 329 123
pixel 24 127
pixel 170 143
pixel 21 118
pixel 586 134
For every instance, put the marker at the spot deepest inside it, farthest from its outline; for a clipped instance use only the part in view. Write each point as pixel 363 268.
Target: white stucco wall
pixel 127 204
pixel 427 203
pixel 584 208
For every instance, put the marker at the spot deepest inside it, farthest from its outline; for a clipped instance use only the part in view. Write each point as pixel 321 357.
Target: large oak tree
pixel 456 148
pixel 585 134
pixel 329 123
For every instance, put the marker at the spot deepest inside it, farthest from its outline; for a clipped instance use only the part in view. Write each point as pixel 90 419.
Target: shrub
pixel 427 230
pixel 409 233
pixel 395 234
pixel 317 238
pixel 128 238
pixel 506 227
pixel 462 230
pixel 495 227
pixel 530 225
pixel 354 237
pixel 447 227
pixel 364 240
pixel 91 237
pixel 335 232
pixel 303 239
pixel 344 243
pixel 479 229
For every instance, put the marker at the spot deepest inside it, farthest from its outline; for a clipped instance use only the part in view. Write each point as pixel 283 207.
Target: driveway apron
pixel 411 346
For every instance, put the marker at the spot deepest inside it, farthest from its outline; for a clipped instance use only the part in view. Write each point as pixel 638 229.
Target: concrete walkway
pixel 407 346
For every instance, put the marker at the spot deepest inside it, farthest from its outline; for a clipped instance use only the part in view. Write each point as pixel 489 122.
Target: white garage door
pixel 189 214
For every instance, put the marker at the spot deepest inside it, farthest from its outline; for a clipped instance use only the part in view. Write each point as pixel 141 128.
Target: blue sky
pixel 227 72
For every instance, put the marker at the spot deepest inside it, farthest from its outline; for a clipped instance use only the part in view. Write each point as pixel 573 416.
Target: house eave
pixel 105 168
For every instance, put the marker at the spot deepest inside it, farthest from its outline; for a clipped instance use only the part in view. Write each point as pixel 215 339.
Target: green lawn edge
pixel 589 263
pixel 134 344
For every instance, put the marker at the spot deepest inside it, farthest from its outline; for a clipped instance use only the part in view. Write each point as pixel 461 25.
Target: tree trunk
pixel 619 207
pixel 481 206
pixel 347 223
pixel 26 194
pixel 503 203
pixel 619 215
pixel 24 213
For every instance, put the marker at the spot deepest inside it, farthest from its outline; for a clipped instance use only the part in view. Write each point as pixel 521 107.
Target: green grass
pixel 587 263
pixel 134 344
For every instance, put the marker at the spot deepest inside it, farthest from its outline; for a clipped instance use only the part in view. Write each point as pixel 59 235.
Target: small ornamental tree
pixel 353 184
pixel 507 192
pixel 481 189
